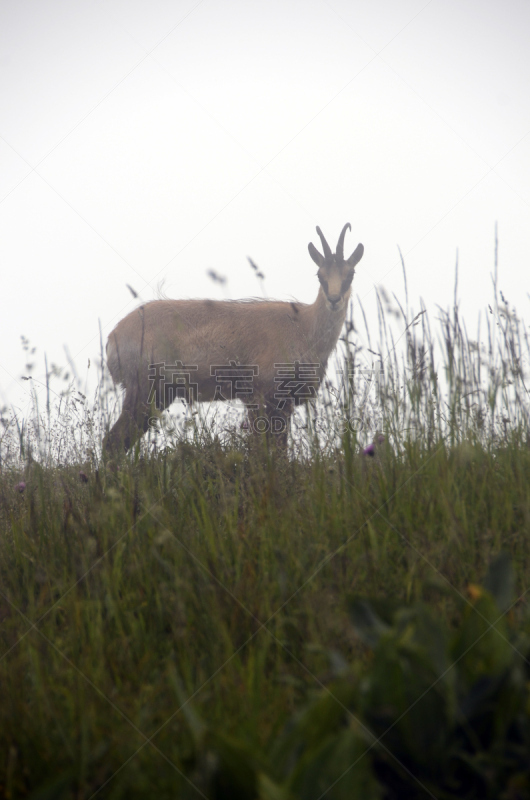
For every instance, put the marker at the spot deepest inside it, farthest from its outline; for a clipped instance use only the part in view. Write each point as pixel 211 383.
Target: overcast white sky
pixel 148 141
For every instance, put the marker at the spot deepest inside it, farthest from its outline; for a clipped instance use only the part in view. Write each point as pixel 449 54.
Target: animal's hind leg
pixel 130 425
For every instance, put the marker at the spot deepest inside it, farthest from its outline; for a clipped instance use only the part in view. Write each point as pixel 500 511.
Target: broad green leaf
pixel 339 768
pixel 235 773
pixel 319 719
pixel 269 790
pixel 367 623
pixel 406 703
pixel 482 647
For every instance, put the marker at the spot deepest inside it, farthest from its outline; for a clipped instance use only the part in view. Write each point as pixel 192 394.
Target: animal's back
pixel 205 333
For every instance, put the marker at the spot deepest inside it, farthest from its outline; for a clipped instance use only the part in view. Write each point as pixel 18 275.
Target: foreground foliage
pixel 180 625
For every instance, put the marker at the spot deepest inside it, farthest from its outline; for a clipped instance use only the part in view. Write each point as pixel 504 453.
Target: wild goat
pixel 267 353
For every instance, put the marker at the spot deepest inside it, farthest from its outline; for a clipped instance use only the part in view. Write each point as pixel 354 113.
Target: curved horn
pixel 340 243
pixel 315 255
pixel 325 245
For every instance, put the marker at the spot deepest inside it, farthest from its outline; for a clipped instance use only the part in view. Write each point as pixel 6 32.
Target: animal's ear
pixel 315 255
pixel 356 256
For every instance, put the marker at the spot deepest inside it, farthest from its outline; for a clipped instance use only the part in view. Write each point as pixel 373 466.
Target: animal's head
pixel 335 273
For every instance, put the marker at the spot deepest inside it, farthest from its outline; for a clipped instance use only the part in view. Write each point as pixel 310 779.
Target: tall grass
pixel 202 580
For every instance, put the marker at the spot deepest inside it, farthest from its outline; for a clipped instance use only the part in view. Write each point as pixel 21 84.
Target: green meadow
pixel 213 617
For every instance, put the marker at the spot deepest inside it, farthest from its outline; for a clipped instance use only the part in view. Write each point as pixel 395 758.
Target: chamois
pixel 201 349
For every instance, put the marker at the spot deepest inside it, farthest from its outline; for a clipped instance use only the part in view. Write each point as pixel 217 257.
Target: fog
pixel 146 144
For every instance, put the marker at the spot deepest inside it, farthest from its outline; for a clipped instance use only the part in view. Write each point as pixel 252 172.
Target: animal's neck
pixel 325 326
